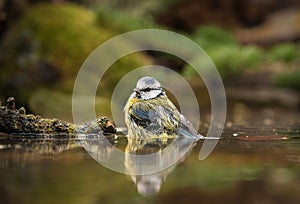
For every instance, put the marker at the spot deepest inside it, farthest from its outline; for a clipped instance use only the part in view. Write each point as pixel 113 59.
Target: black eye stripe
pixel 149 89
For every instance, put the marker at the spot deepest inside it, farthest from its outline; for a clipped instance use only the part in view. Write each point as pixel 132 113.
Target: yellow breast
pixel 129 104
pixel 132 101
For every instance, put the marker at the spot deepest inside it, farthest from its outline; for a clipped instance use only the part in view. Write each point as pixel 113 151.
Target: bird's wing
pixel 148 113
pixel 164 117
pixel 186 129
pixel 140 117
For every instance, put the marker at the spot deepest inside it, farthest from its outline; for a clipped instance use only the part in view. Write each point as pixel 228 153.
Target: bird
pixel 150 114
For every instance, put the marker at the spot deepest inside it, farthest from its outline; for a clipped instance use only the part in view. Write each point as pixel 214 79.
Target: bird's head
pixel 148 88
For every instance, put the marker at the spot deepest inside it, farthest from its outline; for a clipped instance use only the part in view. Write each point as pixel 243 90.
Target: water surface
pixel 249 165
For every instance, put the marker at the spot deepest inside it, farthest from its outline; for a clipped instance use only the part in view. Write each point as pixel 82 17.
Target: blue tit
pixel 150 114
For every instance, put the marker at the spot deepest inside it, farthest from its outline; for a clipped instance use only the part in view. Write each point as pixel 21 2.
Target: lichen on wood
pixel 13 120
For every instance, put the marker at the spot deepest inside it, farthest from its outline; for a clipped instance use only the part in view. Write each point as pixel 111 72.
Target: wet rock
pixel 110 127
pixel 16 121
pixel 101 124
pixel 22 111
pixel 11 103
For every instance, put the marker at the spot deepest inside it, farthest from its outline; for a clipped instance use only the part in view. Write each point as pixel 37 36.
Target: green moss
pixel 47 45
pixel 65 34
pixel 54 40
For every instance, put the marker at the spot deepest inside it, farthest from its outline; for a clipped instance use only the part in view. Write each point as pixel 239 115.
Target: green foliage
pixel 288 80
pixel 55 40
pixel 120 21
pixel 232 58
pixel 58 36
pixel 286 52
pixel 65 33
pixel 211 36
pixel 136 9
pixel 228 56
pixel 129 15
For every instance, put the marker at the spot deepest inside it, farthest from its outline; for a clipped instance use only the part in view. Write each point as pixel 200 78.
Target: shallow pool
pixel 248 165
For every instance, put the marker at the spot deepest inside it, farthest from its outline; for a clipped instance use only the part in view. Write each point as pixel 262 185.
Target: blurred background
pixel 254 45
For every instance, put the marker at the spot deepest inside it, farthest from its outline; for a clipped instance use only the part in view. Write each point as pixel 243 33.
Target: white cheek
pixel 150 94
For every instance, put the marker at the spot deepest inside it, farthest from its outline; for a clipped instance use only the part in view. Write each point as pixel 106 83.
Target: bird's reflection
pixel 150 184
pixel 147 162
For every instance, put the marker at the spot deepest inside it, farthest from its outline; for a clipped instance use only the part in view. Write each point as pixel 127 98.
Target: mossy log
pixel 13 120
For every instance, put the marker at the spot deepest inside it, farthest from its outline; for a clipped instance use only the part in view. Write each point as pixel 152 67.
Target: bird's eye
pixel 146 89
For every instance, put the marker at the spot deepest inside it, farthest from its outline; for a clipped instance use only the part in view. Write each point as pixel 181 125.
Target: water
pixel 248 165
